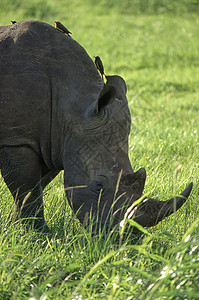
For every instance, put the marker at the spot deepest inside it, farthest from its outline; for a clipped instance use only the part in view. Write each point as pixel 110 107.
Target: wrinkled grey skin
pixel 57 114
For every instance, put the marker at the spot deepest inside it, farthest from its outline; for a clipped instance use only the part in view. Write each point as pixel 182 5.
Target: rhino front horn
pixel 152 211
pixel 172 205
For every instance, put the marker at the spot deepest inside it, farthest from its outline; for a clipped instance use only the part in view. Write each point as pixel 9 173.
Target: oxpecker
pixel 99 65
pixel 62 28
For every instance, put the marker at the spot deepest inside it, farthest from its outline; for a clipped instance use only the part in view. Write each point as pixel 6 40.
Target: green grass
pixel 154 45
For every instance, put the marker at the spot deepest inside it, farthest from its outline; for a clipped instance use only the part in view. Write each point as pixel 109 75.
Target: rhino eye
pixel 99 186
pixel 96 186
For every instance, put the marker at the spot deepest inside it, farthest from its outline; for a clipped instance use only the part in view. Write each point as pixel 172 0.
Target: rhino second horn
pixel 152 211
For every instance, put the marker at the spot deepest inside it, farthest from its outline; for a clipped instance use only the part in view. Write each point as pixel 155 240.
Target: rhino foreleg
pixel 21 169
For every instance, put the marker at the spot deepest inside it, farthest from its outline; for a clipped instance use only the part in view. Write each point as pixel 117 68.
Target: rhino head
pixel 99 179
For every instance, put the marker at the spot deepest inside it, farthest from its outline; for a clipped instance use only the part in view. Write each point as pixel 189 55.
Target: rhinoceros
pixel 56 113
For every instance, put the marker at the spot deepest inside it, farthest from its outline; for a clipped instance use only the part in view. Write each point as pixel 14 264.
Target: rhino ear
pixel 106 97
pixel 119 84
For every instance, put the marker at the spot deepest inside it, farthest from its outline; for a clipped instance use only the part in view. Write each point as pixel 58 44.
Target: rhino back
pixel 40 68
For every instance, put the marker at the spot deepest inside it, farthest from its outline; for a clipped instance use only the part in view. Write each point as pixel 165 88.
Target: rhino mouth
pixel 110 205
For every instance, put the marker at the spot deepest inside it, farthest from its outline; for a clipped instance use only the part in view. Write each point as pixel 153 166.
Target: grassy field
pixel 154 45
